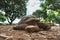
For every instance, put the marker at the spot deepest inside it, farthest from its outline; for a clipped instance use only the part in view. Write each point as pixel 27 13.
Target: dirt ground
pixel 7 33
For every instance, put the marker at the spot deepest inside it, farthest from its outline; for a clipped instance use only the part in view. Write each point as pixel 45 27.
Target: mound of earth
pixel 26 30
pixel 7 33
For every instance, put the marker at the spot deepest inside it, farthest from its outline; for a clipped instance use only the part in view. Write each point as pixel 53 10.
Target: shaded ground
pixel 6 30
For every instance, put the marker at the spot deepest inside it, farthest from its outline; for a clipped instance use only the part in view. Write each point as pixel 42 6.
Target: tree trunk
pixel 10 22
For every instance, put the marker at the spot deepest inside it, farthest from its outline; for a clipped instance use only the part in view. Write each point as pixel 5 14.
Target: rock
pixel 25 18
pixel 20 27
pixel 30 23
pixel 25 21
pixel 43 26
pixel 32 28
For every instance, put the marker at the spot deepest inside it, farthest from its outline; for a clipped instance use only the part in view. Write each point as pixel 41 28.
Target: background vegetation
pixel 49 10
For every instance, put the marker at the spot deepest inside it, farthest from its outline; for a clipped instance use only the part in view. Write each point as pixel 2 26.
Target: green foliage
pixel 53 15
pixel 43 6
pixel 53 4
pixel 46 18
pixel 13 9
pixel 38 13
pixel 57 18
pixel 2 17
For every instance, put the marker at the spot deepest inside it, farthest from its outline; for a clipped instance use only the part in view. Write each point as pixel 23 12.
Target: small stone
pixel 32 28
pixel 43 32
